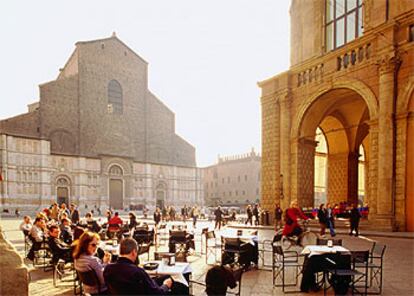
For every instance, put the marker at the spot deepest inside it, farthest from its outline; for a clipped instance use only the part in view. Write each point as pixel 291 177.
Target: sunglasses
pixel 93 245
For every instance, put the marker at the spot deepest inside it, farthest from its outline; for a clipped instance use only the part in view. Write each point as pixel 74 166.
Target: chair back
pixel 232 244
pixel 210 235
pixel 324 241
pixel 89 278
pixel 278 250
pixel 178 236
pixel 360 257
pixel 378 250
pixel 159 255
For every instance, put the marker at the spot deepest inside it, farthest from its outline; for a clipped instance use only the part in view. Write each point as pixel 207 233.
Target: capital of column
pixel 387 64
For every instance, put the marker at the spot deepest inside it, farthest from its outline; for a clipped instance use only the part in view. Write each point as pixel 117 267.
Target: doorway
pixel 116 194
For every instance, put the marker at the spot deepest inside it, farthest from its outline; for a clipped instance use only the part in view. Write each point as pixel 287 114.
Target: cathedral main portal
pixel 115 194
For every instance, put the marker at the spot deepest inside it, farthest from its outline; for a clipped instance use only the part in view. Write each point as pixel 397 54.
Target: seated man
pixel 59 248
pixel 37 236
pixel 66 233
pixel 26 225
pixel 125 278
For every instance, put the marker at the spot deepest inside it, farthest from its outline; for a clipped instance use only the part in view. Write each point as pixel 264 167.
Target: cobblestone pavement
pixel 398 265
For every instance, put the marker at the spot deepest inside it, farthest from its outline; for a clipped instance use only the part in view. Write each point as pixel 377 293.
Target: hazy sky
pixel 205 58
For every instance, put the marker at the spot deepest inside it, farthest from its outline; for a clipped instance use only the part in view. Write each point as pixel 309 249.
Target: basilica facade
pixel 97 137
pixel 351 78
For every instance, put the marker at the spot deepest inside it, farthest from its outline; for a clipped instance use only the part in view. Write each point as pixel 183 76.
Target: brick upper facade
pixel 74 113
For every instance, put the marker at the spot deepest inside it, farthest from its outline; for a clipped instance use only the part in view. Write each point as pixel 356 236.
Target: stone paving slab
pixel 398 266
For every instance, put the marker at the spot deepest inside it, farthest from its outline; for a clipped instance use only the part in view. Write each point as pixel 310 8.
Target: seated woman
pixel 85 260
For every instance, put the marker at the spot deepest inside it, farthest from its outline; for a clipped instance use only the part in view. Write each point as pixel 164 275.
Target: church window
pixel 115 104
pixel 343 22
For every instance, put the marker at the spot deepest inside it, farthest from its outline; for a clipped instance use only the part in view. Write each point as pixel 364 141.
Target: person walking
pixel 278 217
pixel 249 213
pixel 194 214
pixel 330 220
pixel 256 214
pixel 157 216
pixel 218 213
pixel 354 218
pixel 322 219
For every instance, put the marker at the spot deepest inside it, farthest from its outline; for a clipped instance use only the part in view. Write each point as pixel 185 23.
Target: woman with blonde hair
pixel 292 215
pixel 85 260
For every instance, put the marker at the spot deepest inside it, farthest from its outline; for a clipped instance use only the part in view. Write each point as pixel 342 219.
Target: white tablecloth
pixel 245 237
pixel 319 250
pixel 176 271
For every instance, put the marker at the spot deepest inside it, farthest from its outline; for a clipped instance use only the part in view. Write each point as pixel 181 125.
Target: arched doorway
pixel 160 195
pixel 340 115
pixel 62 190
pixel 116 187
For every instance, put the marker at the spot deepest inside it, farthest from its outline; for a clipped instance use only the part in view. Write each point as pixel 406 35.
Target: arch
pixel 62 185
pixel 116 186
pixel 115 97
pixel 351 84
pixel 116 170
pixel 405 95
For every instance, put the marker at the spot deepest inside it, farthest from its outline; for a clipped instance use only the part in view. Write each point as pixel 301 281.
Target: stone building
pixel 351 76
pixel 97 136
pixel 233 180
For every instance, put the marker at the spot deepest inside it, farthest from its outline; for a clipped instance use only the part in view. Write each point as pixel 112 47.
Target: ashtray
pixel 151 266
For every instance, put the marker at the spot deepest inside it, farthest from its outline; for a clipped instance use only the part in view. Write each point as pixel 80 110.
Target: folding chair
pixel 282 261
pixel 342 271
pixel 375 266
pixel 232 250
pixel 265 247
pixel 211 246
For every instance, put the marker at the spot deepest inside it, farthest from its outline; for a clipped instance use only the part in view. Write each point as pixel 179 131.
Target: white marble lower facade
pixel 33 178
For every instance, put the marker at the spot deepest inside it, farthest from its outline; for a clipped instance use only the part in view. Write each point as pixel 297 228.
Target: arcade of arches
pixel 357 131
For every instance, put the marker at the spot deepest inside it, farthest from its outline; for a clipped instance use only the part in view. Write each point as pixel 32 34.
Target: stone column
pixel 270 153
pixel 306 172
pixel 385 205
pixel 353 162
pixel 371 188
pixel 285 124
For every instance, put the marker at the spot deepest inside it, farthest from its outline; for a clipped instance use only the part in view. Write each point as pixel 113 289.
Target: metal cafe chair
pixel 232 250
pixel 340 273
pixel 282 261
pixel 211 246
pixel 178 244
pixel 375 266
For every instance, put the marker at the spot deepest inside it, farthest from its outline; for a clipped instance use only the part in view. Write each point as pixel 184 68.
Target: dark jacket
pixel 355 215
pixel 125 278
pixel 322 216
pixel 219 214
pixel 60 250
pixel 75 216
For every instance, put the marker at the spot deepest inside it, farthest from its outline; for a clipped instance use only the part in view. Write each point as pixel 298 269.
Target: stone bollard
pixel 14 275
